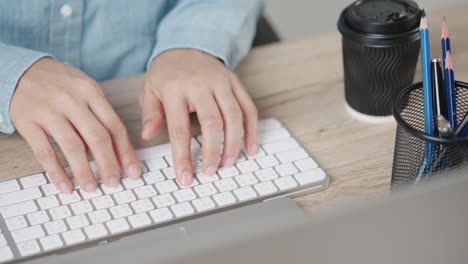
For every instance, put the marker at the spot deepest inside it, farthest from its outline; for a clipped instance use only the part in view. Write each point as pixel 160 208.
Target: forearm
pixel 222 28
pixel 14 62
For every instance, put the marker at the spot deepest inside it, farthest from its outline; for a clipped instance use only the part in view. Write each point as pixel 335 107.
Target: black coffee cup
pixel 380 40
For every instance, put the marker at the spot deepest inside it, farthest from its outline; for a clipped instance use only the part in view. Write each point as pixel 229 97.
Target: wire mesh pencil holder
pixel 419 157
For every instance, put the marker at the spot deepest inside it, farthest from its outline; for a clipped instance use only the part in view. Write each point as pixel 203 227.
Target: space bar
pixel 20 196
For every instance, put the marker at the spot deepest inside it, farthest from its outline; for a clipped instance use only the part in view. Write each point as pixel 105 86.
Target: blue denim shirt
pixel 116 38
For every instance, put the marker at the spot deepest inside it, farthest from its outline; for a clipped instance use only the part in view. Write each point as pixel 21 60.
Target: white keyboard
pixel 36 219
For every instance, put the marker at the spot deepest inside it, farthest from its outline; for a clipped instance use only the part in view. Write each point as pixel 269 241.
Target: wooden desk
pixel 301 83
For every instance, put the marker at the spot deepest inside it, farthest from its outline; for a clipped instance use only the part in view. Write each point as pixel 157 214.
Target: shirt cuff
pixel 15 61
pixel 216 43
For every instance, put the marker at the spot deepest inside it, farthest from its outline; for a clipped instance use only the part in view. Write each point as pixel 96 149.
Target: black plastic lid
pixel 383 16
pixel 375 20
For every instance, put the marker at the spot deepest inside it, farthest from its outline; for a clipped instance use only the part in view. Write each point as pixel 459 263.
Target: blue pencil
pixel 449 80
pixel 427 95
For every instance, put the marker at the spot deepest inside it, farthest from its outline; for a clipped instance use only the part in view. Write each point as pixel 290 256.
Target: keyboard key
pixel 163 200
pixel 55 227
pixel 27 233
pixel 227 172
pixel 73 236
pixel 5 254
pixel 90 195
pixel 141 206
pixel 309 177
pixel 81 207
pixel 225 185
pixel 267 161
pixel 119 211
pixel 48 202
pixel 292 155
pixel 117 226
pixel 161 215
pixel 18 209
pixel 245 193
pixel 272 135
pixel 265 188
pixel 306 164
pixel 49 189
pixel 3 241
pixel 38 218
pixel 205 190
pixel 68 198
pixel 182 209
pixel 194 183
pixel 51 242
pixel 184 195
pixel 33 180
pixel 109 190
pixel 246 179
pixel 124 197
pixel 99 216
pixel 139 220
pixel 203 204
pixel 169 173
pixel 59 212
pixel 224 199
pixel 267 174
pixel 206 179
pixel 132 183
pixel 280 146
pixel 95 231
pixel 153 177
pixel 103 202
pixel 166 186
pixel 28 248
pixel 197 166
pixel 285 183
pixel 286 169
pixel 9 186
pixel 247 166
pixel 156 164
pixel 145 191
pixel 77 221
pixel 20 196
pixel 16 222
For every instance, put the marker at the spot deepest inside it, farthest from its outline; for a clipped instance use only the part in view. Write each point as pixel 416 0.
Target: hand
pixel 181 81
pixel 57 100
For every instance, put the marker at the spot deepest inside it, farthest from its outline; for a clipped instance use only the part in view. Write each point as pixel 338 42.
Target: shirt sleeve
pixel 222 28
pixel 14 61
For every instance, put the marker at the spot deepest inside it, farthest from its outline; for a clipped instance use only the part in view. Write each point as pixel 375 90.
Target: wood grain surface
pixel 300 83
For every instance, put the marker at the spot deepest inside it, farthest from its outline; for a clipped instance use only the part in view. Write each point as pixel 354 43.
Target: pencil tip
pixel 423 13
pixel 423 24
pixel 445 32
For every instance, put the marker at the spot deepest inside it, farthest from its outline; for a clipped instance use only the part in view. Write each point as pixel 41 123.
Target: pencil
pixel 450 91
pixel 449 80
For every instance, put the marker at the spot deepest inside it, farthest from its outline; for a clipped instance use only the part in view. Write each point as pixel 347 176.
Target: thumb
pixel 152 114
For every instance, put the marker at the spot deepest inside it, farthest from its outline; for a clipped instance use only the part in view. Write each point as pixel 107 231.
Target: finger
pixel 99 142
pixel 124 149
pixel 212 131
pixel 45 154
pixel 232 118
pixel 74 150
pixel 178 123
pixel 152 114
pixel 249 111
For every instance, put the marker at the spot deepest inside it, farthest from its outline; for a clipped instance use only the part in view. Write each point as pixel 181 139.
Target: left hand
pixel 181 81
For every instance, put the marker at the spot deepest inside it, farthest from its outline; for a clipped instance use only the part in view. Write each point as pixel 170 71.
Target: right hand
pixel 58 100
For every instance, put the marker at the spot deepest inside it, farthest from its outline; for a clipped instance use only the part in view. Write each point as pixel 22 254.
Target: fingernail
pixel 113 182
pixel 64 187
pixel 211 170
pixel 186 178
pixel 229 162
pixel 90 187
pixel 253 150
pixel 134 170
